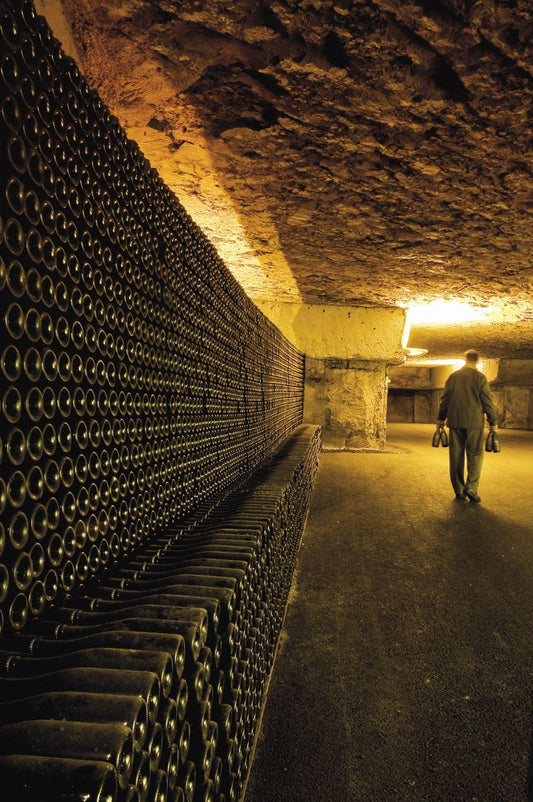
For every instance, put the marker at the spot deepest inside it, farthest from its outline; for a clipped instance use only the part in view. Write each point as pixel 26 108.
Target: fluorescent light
pixel 435 363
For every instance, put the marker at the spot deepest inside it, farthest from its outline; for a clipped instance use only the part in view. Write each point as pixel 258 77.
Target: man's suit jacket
pixel 466 399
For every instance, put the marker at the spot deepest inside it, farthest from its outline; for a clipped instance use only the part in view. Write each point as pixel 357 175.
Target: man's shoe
pixel 472 496
pixel 461 497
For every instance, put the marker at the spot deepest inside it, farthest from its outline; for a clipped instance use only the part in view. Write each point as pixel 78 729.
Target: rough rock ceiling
pixel 371 152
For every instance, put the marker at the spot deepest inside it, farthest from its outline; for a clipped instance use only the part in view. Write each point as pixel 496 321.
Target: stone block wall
pixel 347 398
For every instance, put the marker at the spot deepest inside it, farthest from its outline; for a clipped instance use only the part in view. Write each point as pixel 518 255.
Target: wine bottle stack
pixel 139 384
pixel 143 573
pixel 192 621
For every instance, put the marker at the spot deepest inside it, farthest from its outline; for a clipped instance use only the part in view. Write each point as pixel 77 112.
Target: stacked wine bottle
pixel 141 589
pixel 159 668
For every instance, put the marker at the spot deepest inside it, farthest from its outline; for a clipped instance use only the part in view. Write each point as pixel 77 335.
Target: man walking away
pixel 465 401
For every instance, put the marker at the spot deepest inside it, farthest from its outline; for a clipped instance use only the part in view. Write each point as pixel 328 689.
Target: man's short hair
pixel 472 355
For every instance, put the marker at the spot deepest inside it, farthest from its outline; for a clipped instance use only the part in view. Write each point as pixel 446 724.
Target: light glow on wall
pixel 441 312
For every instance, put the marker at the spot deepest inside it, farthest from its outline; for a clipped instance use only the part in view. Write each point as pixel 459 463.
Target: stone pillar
pixel 348 398
pixel 348 350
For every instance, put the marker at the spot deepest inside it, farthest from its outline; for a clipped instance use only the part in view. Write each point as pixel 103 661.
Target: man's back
pixel 465 400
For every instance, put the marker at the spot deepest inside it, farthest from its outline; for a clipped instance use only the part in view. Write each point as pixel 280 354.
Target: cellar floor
pixel 405 666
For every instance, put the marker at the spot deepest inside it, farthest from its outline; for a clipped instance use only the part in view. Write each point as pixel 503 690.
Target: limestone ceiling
pixel 371 152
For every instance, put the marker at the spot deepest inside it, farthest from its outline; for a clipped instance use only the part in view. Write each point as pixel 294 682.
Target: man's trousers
pixel 469 442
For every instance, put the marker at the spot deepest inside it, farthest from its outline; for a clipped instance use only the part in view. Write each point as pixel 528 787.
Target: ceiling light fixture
pixel 435 363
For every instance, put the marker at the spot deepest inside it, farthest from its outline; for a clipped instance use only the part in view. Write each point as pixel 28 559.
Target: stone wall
pixel 348 399
pixel 512 390
pixel 514 406
pixel 410 378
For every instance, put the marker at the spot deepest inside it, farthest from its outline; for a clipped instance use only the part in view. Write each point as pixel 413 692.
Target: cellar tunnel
pixel 349 165
pixel 232 236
